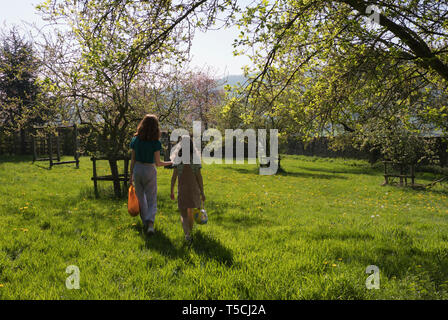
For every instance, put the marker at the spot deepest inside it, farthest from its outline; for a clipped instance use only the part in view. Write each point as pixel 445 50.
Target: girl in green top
pixel 146 148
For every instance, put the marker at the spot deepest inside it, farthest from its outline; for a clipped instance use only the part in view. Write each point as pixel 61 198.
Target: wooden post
pixel 126 168
pixel 95 183
pixel 50 150
pixel 413 174
pixel 406 176
pixel 43 146
pixel 386 178
pixel 401 174
pixel 34 149
pixel 58 148
pixel 75 133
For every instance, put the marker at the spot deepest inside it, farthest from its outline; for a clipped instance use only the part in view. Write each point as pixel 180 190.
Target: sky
pixel 211 49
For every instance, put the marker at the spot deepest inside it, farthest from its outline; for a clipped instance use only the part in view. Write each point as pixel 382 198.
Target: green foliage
pixel 110 49
pixel 321 68
pixel 20 89
pixel 104 54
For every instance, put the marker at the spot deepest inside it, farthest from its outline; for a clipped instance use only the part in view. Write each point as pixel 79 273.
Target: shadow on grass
pixel 255 171
pixel 203 244
pixel 211 248
pixel 408 261
pixel 366 170
pixel 46 167
pixel 396 252
pixel 251 170
pixel 409 189
pixel 311 175
pixel 162 244
pixel 15 159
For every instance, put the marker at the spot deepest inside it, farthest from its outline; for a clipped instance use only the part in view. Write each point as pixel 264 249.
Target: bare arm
pixel 173 182
pixel 160 163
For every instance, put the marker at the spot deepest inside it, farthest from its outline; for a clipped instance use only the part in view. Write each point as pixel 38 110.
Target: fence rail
pixel 21 143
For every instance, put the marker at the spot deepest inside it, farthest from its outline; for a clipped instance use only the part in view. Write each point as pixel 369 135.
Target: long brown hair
pixel 148 128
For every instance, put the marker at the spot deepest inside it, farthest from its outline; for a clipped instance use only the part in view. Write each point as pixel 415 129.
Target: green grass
pixel 306 234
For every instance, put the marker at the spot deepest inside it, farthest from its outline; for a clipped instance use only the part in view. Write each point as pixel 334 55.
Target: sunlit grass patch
pixel 308 233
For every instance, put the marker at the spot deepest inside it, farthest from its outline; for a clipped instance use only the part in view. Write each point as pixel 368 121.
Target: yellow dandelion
pixel 334 265
pixel 1 285
pixel 24 229
pixel 25 207
pixel 340 259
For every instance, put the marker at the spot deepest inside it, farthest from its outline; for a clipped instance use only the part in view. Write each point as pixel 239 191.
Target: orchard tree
pixel 202 92
pixel 101 52
pixel 264 112
pixel 347 62
pixel 163 94
pixel 19 87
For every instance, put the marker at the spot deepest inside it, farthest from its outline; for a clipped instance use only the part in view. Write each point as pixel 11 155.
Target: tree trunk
pixel 280 168
pixel 114 170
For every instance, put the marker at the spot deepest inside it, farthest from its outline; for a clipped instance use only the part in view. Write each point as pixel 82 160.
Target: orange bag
pixel 133 206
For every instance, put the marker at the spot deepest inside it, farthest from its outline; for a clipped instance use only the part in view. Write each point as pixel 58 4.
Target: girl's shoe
pixel 150 230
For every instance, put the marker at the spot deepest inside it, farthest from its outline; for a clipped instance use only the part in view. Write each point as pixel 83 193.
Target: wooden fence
pixel 16 143
pixel 320 148
pixel 21 143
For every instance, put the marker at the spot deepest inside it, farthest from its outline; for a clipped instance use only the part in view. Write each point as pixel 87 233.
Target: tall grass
pixel 309 233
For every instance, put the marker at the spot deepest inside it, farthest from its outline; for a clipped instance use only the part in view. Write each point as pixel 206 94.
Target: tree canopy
pixel 103 53
pixel 338 67
pixel 19 89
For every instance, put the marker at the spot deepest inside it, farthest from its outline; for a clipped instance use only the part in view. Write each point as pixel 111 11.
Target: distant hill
pixel 232 80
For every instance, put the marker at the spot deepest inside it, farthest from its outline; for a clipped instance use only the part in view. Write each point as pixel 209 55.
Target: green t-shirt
pixel 144 150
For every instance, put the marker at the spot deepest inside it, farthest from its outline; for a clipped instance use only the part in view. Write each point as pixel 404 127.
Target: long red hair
pixel 148 128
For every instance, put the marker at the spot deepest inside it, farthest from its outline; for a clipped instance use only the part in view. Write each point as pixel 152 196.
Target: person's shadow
pixel 203 245
pixel 162 244
pixel 211 248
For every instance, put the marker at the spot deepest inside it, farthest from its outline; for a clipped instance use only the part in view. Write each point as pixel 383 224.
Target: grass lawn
pixel 307 234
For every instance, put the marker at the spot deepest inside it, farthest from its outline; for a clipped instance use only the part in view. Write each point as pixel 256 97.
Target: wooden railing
pixel 123 177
